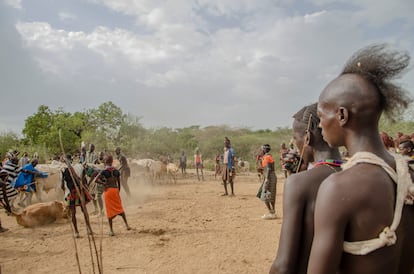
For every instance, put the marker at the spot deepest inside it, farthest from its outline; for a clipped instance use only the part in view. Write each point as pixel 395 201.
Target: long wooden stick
pixel 303 148
pixel 84 211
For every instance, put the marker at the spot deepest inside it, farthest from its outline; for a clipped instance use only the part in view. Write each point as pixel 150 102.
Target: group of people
pixel 106 181
pixel 17 180
pixel 358 216
pixel 102 188
pixel 198 164
pixel 353 217
pixel 225 165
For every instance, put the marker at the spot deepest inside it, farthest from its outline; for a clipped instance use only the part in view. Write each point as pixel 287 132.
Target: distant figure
pixel 124 169
pixel 283 151
pixel 388 141
pixel 112 185
pixel 406 148
pixel 91 156
pixel 198 163
pixel 259 167
pixel 183 163
pixel 217 165
pixel 97 191
pixel 267 191
pixel 24 160
pixel 228 171
pixel 82 155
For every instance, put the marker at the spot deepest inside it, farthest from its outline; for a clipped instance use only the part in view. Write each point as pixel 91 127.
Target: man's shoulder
pixel 305 181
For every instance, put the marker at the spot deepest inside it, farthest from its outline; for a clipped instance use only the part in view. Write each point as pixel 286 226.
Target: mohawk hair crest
pixel 380 65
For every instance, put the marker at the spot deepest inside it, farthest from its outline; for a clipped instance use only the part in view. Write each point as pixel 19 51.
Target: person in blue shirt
pixel 228 171
pixel 26 180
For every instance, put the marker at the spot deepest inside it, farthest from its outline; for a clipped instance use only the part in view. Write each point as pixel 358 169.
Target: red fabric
pixel 113 203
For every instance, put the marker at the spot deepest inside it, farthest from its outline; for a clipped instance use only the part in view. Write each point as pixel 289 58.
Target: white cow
pixel 244 166
pixel 140 166
pixel 158 170
pixel 172 170
pixel 52 181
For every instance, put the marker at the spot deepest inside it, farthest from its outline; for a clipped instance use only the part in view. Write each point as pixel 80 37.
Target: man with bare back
pixel 300 191
pixel 364 222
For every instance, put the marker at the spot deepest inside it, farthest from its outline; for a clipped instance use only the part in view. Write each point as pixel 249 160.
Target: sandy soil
pixel 187 227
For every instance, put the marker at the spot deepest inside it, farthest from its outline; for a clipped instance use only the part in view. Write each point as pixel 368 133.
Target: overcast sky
pixel 178 63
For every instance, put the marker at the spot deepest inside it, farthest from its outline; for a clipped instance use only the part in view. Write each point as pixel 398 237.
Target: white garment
pixel 405 194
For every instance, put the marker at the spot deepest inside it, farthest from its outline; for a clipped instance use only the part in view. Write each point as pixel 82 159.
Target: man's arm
pixel 290 236
pixel 331 218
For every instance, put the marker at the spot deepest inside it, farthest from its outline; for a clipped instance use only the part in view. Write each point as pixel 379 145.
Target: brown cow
pixel 42 213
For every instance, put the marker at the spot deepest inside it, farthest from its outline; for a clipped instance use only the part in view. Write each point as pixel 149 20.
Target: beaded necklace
pixel 329 163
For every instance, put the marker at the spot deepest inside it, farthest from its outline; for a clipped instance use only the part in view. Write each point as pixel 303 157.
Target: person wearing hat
pixel 267 192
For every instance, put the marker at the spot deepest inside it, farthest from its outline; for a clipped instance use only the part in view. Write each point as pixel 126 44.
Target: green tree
pixel 38 125
pixel 107 119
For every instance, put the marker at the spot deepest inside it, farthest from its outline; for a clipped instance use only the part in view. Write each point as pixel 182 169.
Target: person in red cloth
pixel 111 179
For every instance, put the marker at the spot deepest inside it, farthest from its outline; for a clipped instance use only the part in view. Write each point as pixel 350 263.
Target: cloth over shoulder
pixel 405 195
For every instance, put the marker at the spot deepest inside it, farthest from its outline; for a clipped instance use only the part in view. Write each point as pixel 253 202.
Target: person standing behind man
pixel 300 191
pixel 228 170
pixel 124 169
pixel 97 191
pixel 198 163
pixel 364 217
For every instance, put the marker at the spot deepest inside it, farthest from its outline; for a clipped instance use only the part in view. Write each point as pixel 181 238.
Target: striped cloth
pixel 13 170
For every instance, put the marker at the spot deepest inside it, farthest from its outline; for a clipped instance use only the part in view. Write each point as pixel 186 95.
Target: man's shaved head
pixel 379 65
pixel 362 92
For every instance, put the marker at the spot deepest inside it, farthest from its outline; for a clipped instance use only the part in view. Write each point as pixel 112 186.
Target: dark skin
pixel 110 220
pixel 72 209
pixel 349 112
pixel 298 204
pixel 227 145
pixel 124 164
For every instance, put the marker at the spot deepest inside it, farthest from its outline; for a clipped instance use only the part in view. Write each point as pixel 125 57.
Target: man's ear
pixel 343 116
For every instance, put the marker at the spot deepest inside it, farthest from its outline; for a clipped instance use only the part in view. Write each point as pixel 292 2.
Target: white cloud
pixel 202 56
pixel 17 4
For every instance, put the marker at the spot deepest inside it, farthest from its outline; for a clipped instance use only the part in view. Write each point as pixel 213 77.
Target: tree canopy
pixel 107 127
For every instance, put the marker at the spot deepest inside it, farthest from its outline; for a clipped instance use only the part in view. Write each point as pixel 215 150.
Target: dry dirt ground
pixel 187 227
